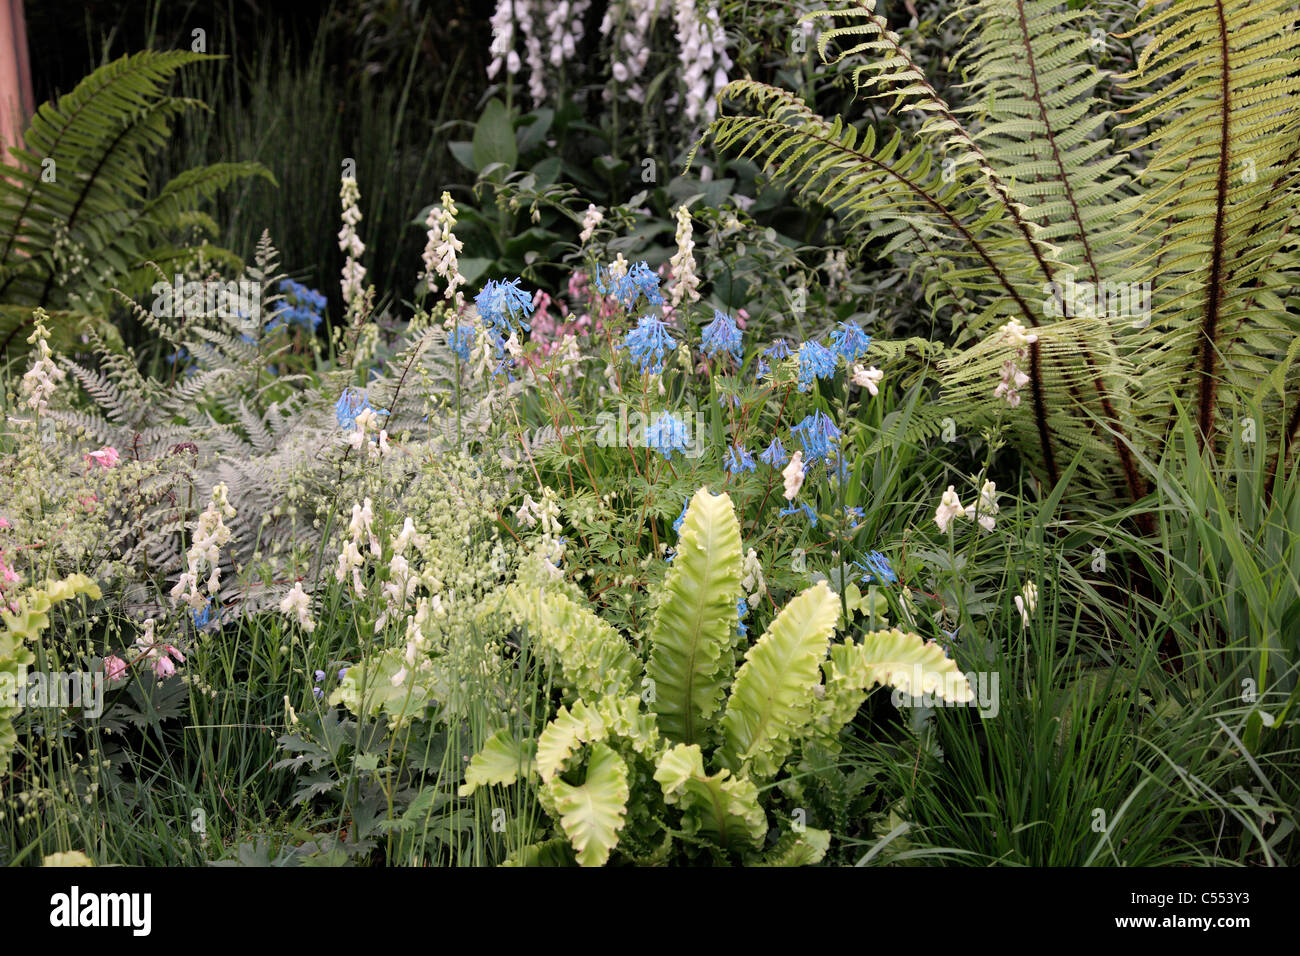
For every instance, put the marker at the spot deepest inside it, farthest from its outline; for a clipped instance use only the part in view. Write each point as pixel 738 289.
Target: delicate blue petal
pixel 849 341
pixel 775 454
pixel 722 335
pixel 648 343
pixel 815 361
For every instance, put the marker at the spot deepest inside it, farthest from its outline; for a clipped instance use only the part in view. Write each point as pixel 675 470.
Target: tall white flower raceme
pixel 550 30
pixel 628 23
pixel 1027 602
pixel 949 507
pixel 793 475
pixel 592 218
pixel 351 562
pixel 40 381
pixel 359 438
pixel 985 510
pixel 402 580
pixel 354 273
pixel 503 40
pixel 530 29
pixel 362 527
pixel 1012 378
pixel 440 252
pixel 686 282
pixel 703 52
pixel 210 535
pixel 868 378
pixel 361 533
pixel 297 605
pixel 564 28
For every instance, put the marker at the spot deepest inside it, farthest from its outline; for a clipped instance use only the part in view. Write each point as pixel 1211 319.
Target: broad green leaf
pixel 592 814
pixel 772 698
pixel 723 808
pixel 893 657
pixel 501 761
pixel 494 137
pixel 691 634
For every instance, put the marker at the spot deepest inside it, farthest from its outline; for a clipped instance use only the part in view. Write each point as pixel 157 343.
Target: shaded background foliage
pixel 305 85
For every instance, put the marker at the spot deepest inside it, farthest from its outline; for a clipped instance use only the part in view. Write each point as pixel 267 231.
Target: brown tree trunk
pixel 16 101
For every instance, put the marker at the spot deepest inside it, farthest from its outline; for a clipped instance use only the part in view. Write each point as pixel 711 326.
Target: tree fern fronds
pixel 1221 156
pixel 75 218
pixel 878 188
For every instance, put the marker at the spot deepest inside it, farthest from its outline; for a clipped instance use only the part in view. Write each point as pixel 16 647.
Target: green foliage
pixel 27 617
pixel 692 627
pixel 1018 206
pixel 77 219
pixel 775 704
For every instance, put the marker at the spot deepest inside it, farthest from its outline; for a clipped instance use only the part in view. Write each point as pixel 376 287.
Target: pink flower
pixel 8 575
pixel 4 523
pixel 174 653
pixel 163 668
pixel 114 667
pixel 106 457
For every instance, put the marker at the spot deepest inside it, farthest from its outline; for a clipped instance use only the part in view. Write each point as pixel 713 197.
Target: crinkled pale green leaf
pixel 593 660
pixel 690 637
pixel 593 813
pixel 564 735
pixel 585 723
pixel 892 657
pixel 772 698
pixel 502 760
pixel 805 848
pixel 719 806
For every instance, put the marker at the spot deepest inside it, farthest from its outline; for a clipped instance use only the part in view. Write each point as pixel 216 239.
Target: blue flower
pixel 721 335
pixel 742 609
pixel 837 467
pixel 738 460
pixel 503 306
pixel 461 340
pixel 761 369
pixel 849 341
pixel 317 693
pixel 815 361
pixel 853 516
pixel 647 281
pixel 202 617
pixel 818 435
pixel 681 518
pixel 667 434
pixel 876 567
pixel 625 289
pixel 775 454
pixel 352 403
pixel 795 509
pixel 648 343
pixel 343 672
pixel 300 306
pixel 778 351
pixel 320 676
